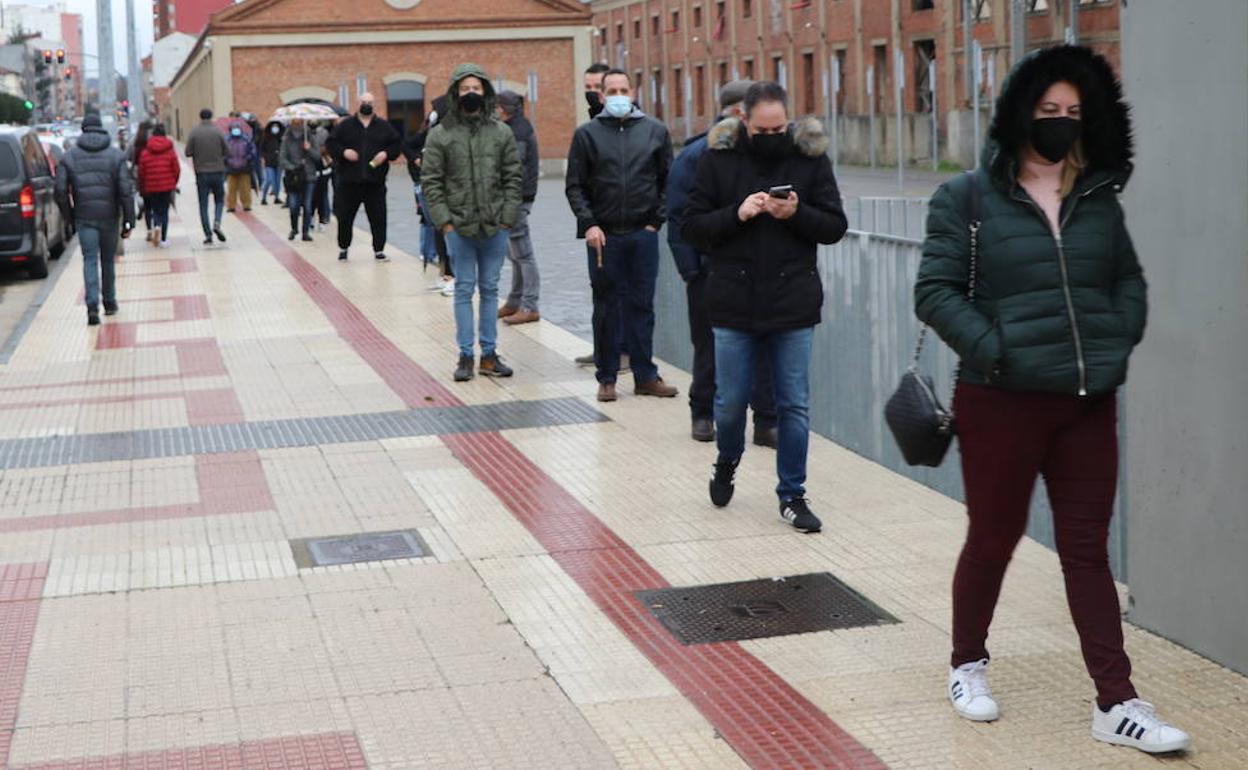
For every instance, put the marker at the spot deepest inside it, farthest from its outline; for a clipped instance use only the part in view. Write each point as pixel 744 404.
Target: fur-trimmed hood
pixel 809 136
pixel 1106 133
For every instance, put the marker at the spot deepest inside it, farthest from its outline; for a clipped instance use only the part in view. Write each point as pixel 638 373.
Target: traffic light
pixel 28 104
pixel 60 56
pixel 125 107
pixel 69 74
pixel 47 57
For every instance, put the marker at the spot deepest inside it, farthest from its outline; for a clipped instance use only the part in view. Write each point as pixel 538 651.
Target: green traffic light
pixel 29 104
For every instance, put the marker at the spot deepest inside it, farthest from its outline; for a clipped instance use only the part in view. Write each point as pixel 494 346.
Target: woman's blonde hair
pixel 1076 162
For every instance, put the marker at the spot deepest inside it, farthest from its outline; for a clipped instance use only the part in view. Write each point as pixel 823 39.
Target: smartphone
pixel 780 191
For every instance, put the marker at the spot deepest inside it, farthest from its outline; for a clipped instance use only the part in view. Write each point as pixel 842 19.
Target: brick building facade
pixel 682 50
pixel 189 16
pixel 261 54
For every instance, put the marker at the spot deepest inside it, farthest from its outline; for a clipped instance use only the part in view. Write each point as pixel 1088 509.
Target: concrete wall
pixel 1186 73
pixel 191 94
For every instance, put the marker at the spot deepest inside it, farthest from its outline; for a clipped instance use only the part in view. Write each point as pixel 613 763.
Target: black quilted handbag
pixel 922 427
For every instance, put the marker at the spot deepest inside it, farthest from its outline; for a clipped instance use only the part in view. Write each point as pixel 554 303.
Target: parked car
pixel 55 154
pixel 31 229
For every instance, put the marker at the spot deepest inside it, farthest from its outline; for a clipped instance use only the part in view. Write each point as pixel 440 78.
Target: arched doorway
pixel 405 105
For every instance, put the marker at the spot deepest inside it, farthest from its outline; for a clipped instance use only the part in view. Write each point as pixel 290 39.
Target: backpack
pixel 238 154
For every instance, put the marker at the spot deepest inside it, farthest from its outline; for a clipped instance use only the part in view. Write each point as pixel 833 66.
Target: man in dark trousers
pixel 521 304
pixel 764 200
pixel 362 147
pixel 692 268
pixel 616 185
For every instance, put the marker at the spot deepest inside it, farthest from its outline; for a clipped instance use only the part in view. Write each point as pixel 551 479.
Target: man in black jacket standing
pixel 95 185
pixel 362 147
pixel 521 304
pixel 616 184
pixel 765 198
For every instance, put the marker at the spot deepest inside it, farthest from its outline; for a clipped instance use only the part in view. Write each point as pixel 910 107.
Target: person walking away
pixel 362 147
pixel 1059 304
pixel 240 160
pixel 521 304
pixel 472 179
pixel 206 148
pixel 270 155
pixel 326 179
pixel 300 162
pixel 94 184
pixel 692 268
pixel 133 153
pixel 159 172
pixel 616 186
pixel 764 199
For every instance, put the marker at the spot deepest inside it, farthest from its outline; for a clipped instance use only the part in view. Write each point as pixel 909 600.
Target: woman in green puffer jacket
pixel 1059 304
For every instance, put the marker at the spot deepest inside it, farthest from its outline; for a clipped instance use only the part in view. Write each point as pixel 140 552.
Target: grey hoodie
pixel 93 178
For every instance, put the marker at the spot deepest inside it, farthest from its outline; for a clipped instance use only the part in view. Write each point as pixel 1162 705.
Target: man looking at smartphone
pixel 765 198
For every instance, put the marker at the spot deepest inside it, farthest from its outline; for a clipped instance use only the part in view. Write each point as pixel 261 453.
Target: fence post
pixel 871 112
pixel 900 78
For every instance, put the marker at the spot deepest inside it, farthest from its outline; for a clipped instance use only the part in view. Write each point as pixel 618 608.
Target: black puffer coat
pixel 1053 313
pixel 93 176
pixel 763 274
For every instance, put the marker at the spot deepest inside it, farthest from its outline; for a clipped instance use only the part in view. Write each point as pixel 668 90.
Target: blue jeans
pixel 272 182
pixel 210 183
pixel 98 241
pixel 623 291
pixel 428 240
pixel 477 261
pixel 301 200
pixel 789 354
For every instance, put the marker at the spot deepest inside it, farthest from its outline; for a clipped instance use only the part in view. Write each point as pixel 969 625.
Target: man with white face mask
pixel 616 185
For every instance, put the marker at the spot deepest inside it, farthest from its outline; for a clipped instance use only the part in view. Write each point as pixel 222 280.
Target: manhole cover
pixel 754 609
pixel 352 549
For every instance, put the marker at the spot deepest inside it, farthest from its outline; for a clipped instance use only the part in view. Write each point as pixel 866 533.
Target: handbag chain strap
pixel 946 422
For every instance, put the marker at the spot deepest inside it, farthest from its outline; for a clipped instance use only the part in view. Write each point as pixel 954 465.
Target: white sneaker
pixel 164 244
pixel 969 692
pixel 1134 723
pixel 448 288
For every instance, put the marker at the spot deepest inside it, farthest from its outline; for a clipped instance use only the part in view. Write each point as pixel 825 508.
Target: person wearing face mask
pixel 300 157
pixel 1059 302
pixel 764 199
pixel 240 160
pixel 617 186
pixel 593 88
pixel 362 147
pixel 472 180
pixel 692 268
pixel 270 154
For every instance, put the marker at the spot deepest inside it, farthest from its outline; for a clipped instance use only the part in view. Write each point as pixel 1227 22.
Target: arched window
pixel 405 104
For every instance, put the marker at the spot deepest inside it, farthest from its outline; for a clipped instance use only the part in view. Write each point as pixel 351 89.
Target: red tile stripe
pixel 21 586
pixel 324 751
pixel 767 721
pixel 228 483
pixel 210 406
pixel 408 380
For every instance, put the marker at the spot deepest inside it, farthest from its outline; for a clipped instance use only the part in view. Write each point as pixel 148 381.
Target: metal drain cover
pixel 361 547
pixel 755 609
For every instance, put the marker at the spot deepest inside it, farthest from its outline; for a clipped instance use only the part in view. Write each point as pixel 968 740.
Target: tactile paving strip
pixel 754 609
pixel 47 451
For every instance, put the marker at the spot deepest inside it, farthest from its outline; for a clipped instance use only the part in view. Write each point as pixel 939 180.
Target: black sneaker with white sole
pixel 797 512
pixel 722 485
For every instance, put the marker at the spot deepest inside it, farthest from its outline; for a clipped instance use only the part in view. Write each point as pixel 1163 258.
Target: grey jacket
pixel 206 148
pixel 94 182
pixel 292 155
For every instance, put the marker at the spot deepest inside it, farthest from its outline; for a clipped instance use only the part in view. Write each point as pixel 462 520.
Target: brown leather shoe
pixel 606 391
pixel 507 310
pixel 522 317
pixel 655 387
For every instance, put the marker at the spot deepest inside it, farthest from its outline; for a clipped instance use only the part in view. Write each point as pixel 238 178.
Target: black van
pixel 31 226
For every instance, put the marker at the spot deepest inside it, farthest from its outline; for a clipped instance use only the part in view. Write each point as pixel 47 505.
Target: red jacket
pixel 159 167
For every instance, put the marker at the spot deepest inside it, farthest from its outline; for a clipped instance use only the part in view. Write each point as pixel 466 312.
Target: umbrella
pixel 342 113
pixel 304 111
pixel 225 124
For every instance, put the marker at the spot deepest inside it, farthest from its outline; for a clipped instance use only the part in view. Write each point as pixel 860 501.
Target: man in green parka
pixel 472 180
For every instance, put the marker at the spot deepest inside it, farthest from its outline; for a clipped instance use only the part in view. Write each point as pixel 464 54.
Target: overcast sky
pixel 142 17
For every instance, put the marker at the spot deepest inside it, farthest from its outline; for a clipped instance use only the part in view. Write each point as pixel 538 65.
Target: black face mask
pixel 472 103
pixel 771 146
pixel 594 100
pixel 1053 137
pixel 366 109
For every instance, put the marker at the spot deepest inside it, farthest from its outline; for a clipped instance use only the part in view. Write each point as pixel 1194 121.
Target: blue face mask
pixel 236 132
pixel 619 106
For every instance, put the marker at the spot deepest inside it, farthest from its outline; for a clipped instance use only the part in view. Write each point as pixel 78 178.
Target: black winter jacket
pixel 617 173
pixel 350 134
pixel 94 178
pixel 413 148
pixel 763 274
pixel 530 160
pixel 1057 313
pixel 271 144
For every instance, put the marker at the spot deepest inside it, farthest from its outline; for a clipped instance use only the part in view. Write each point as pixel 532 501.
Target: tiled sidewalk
pixel 155 473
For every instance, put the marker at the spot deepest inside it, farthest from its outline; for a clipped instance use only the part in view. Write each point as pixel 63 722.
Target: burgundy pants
pixel 1007 438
